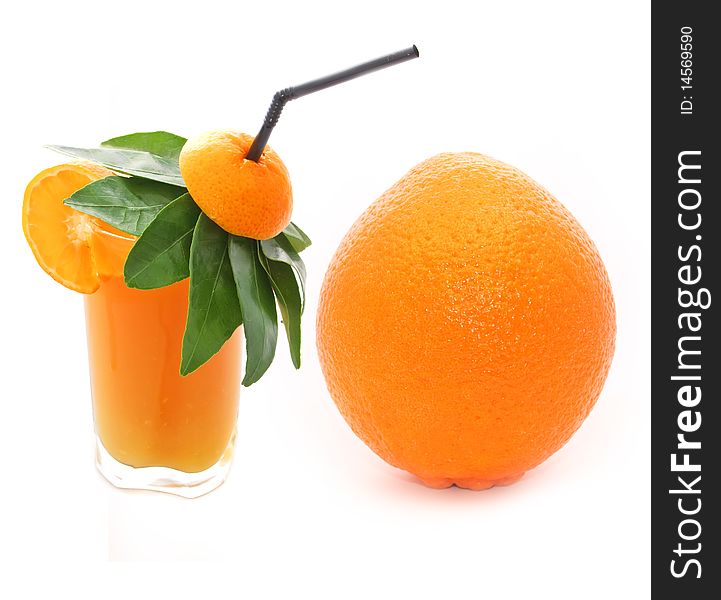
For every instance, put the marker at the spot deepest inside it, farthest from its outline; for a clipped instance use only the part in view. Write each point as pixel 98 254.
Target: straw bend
pixel 280 99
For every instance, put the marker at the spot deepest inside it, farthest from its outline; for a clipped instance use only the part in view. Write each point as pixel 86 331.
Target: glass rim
pixel 99 228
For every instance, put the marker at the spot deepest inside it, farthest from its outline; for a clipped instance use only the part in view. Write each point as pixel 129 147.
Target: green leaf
pixel 279 249
pixel 257 304
pixel 287 293
pixel 213 311
pixel 160 143
pixel 128 203
pixel 130 162
pixel 297 237
pixel 161 255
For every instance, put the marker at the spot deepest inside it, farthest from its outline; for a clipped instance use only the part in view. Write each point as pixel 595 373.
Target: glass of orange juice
pixel 155 429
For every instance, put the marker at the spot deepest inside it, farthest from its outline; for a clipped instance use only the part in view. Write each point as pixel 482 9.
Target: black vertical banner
pixel 686 300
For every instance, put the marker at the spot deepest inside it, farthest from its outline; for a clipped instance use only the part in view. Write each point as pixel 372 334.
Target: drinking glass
pixel 155 429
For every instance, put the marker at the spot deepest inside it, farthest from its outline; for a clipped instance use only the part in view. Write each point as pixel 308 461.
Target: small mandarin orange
pixel 466 323
pixel 246 198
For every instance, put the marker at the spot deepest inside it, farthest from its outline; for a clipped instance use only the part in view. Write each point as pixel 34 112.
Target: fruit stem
pixel 291 93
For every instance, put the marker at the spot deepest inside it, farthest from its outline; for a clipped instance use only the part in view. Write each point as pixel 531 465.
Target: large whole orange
pixel 466 323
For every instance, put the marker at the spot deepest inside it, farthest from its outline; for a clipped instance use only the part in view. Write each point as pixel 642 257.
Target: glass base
pixel 163 479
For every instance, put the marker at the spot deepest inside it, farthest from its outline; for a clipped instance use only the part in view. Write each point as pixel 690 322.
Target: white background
pixel 559 89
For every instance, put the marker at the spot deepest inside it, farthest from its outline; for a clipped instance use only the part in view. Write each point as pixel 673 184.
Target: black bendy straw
pixel 291 93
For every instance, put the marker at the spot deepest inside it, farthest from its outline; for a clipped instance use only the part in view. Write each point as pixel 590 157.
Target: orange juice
pixel 146 414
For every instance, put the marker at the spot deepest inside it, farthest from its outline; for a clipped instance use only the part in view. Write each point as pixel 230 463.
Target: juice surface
pixel 146 414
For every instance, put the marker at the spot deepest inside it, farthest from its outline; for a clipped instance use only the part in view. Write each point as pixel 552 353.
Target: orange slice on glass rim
pixel 62 238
